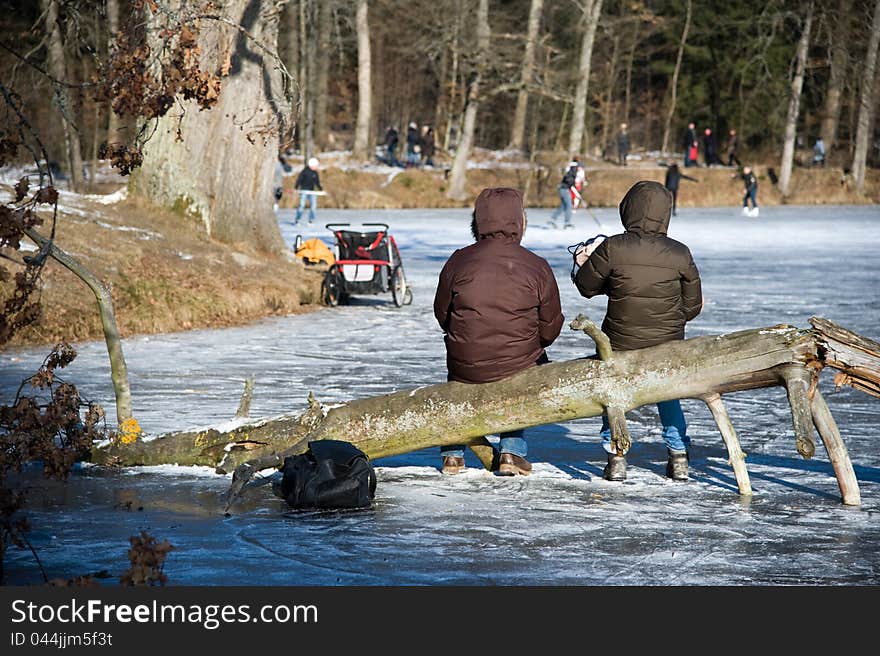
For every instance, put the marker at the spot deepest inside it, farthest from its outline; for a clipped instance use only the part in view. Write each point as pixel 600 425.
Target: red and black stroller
pixel 367 262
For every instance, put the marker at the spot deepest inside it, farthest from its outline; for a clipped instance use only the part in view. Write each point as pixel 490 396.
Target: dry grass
pixel 169 278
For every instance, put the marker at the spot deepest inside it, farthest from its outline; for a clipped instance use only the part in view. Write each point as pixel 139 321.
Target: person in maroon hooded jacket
pixel 498 305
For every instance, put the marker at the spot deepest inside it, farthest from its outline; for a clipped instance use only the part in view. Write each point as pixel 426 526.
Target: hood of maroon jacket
pixel 497 302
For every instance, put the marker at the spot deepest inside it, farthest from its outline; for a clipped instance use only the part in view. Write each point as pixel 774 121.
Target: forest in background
pixel 656 65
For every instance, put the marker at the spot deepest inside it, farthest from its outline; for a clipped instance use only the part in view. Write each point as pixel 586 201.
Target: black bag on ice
pixel 331 474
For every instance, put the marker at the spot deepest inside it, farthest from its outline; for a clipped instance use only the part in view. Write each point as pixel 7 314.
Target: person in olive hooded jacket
pixel 498 305
pixel 653 289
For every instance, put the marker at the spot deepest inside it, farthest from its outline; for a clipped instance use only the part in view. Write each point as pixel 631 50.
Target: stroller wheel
pixel 331 287
pixel 399 288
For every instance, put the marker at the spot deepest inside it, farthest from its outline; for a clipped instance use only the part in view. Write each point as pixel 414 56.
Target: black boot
pixel 615 470
pixel 677 466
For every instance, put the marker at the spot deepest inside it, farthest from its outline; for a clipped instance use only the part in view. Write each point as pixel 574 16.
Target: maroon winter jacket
pixel 497 302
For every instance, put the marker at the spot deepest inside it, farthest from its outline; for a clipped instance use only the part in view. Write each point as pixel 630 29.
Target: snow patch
pixel 109 199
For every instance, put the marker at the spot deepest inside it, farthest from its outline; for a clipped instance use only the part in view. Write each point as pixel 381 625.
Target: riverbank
pixel 350 185
pixel 166 275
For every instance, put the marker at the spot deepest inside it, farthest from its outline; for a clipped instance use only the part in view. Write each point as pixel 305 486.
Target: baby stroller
pixel 367 262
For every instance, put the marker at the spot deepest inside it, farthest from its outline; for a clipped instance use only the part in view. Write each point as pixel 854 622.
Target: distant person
pixel 653 289
pixel 710 149
pixel 622 145
pixel 412 145
pixel 308 182
pixel 732 148
pixel 691 145
pixel 427 144
pixel 673 177
pixel 567 191
pixel 577 191
pixel 499 308
pixel 819 152
pixel 750 191
pixel 391 140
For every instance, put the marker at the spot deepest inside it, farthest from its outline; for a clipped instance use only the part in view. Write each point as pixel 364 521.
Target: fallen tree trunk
pixel 455 413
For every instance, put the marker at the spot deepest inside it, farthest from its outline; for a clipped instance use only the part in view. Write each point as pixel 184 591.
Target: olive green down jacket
pixel 651 281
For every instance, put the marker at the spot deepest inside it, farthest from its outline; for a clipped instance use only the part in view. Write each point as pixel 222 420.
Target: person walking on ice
pixel 308 184
pixel 750 191
pixel 653 289
pixel 567 191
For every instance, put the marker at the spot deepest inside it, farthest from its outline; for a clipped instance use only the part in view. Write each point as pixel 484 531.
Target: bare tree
pixel 794 102
pixel 592 9
pixel 365 95
pixel 216 165
pixel 841 24
pixel 518 131
pixel 866 103
pixel 306 77
pixel 322 74
pixel 673 86
pixel 60 79
pixel 458 177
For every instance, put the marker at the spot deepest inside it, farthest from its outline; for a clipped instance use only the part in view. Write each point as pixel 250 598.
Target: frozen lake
pixel 564 524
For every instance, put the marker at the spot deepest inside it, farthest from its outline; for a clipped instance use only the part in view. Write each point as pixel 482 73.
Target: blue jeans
pixel 312 200
pixel 750 194
pixel 674 427
pixel 564 205
pixel 511 442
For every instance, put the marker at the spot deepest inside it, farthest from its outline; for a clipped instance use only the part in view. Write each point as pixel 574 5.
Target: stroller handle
pixel 330 226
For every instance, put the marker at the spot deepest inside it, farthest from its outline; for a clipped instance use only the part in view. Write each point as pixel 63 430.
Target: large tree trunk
pixel 518 130
pixel 839 46
pixel 673 86
pixel 592 11
pixel 458 177
pixel 794 104
pixel 217 165
pixel 866 103
pixel 365 94
pixel 702 368
pixel 60 78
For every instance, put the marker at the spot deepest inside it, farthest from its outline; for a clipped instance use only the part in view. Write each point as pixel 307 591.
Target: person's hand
pixel 582 254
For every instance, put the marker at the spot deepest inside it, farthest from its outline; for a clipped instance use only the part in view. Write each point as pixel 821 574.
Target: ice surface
pixel 564 524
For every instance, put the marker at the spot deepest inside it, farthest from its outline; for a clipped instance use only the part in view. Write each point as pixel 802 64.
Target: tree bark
pixel 794 103
pixel 702 367
pixel 458 177
pixel 216 166
pixel 673 86
pixel 839 46
pixel 365 95
pixel 518 130
pixel 866 103
pixel 58 71
pixel 592 11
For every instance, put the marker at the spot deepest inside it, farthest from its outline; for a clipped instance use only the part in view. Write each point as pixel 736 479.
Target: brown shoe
pixel 512 465
pixel 452 465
